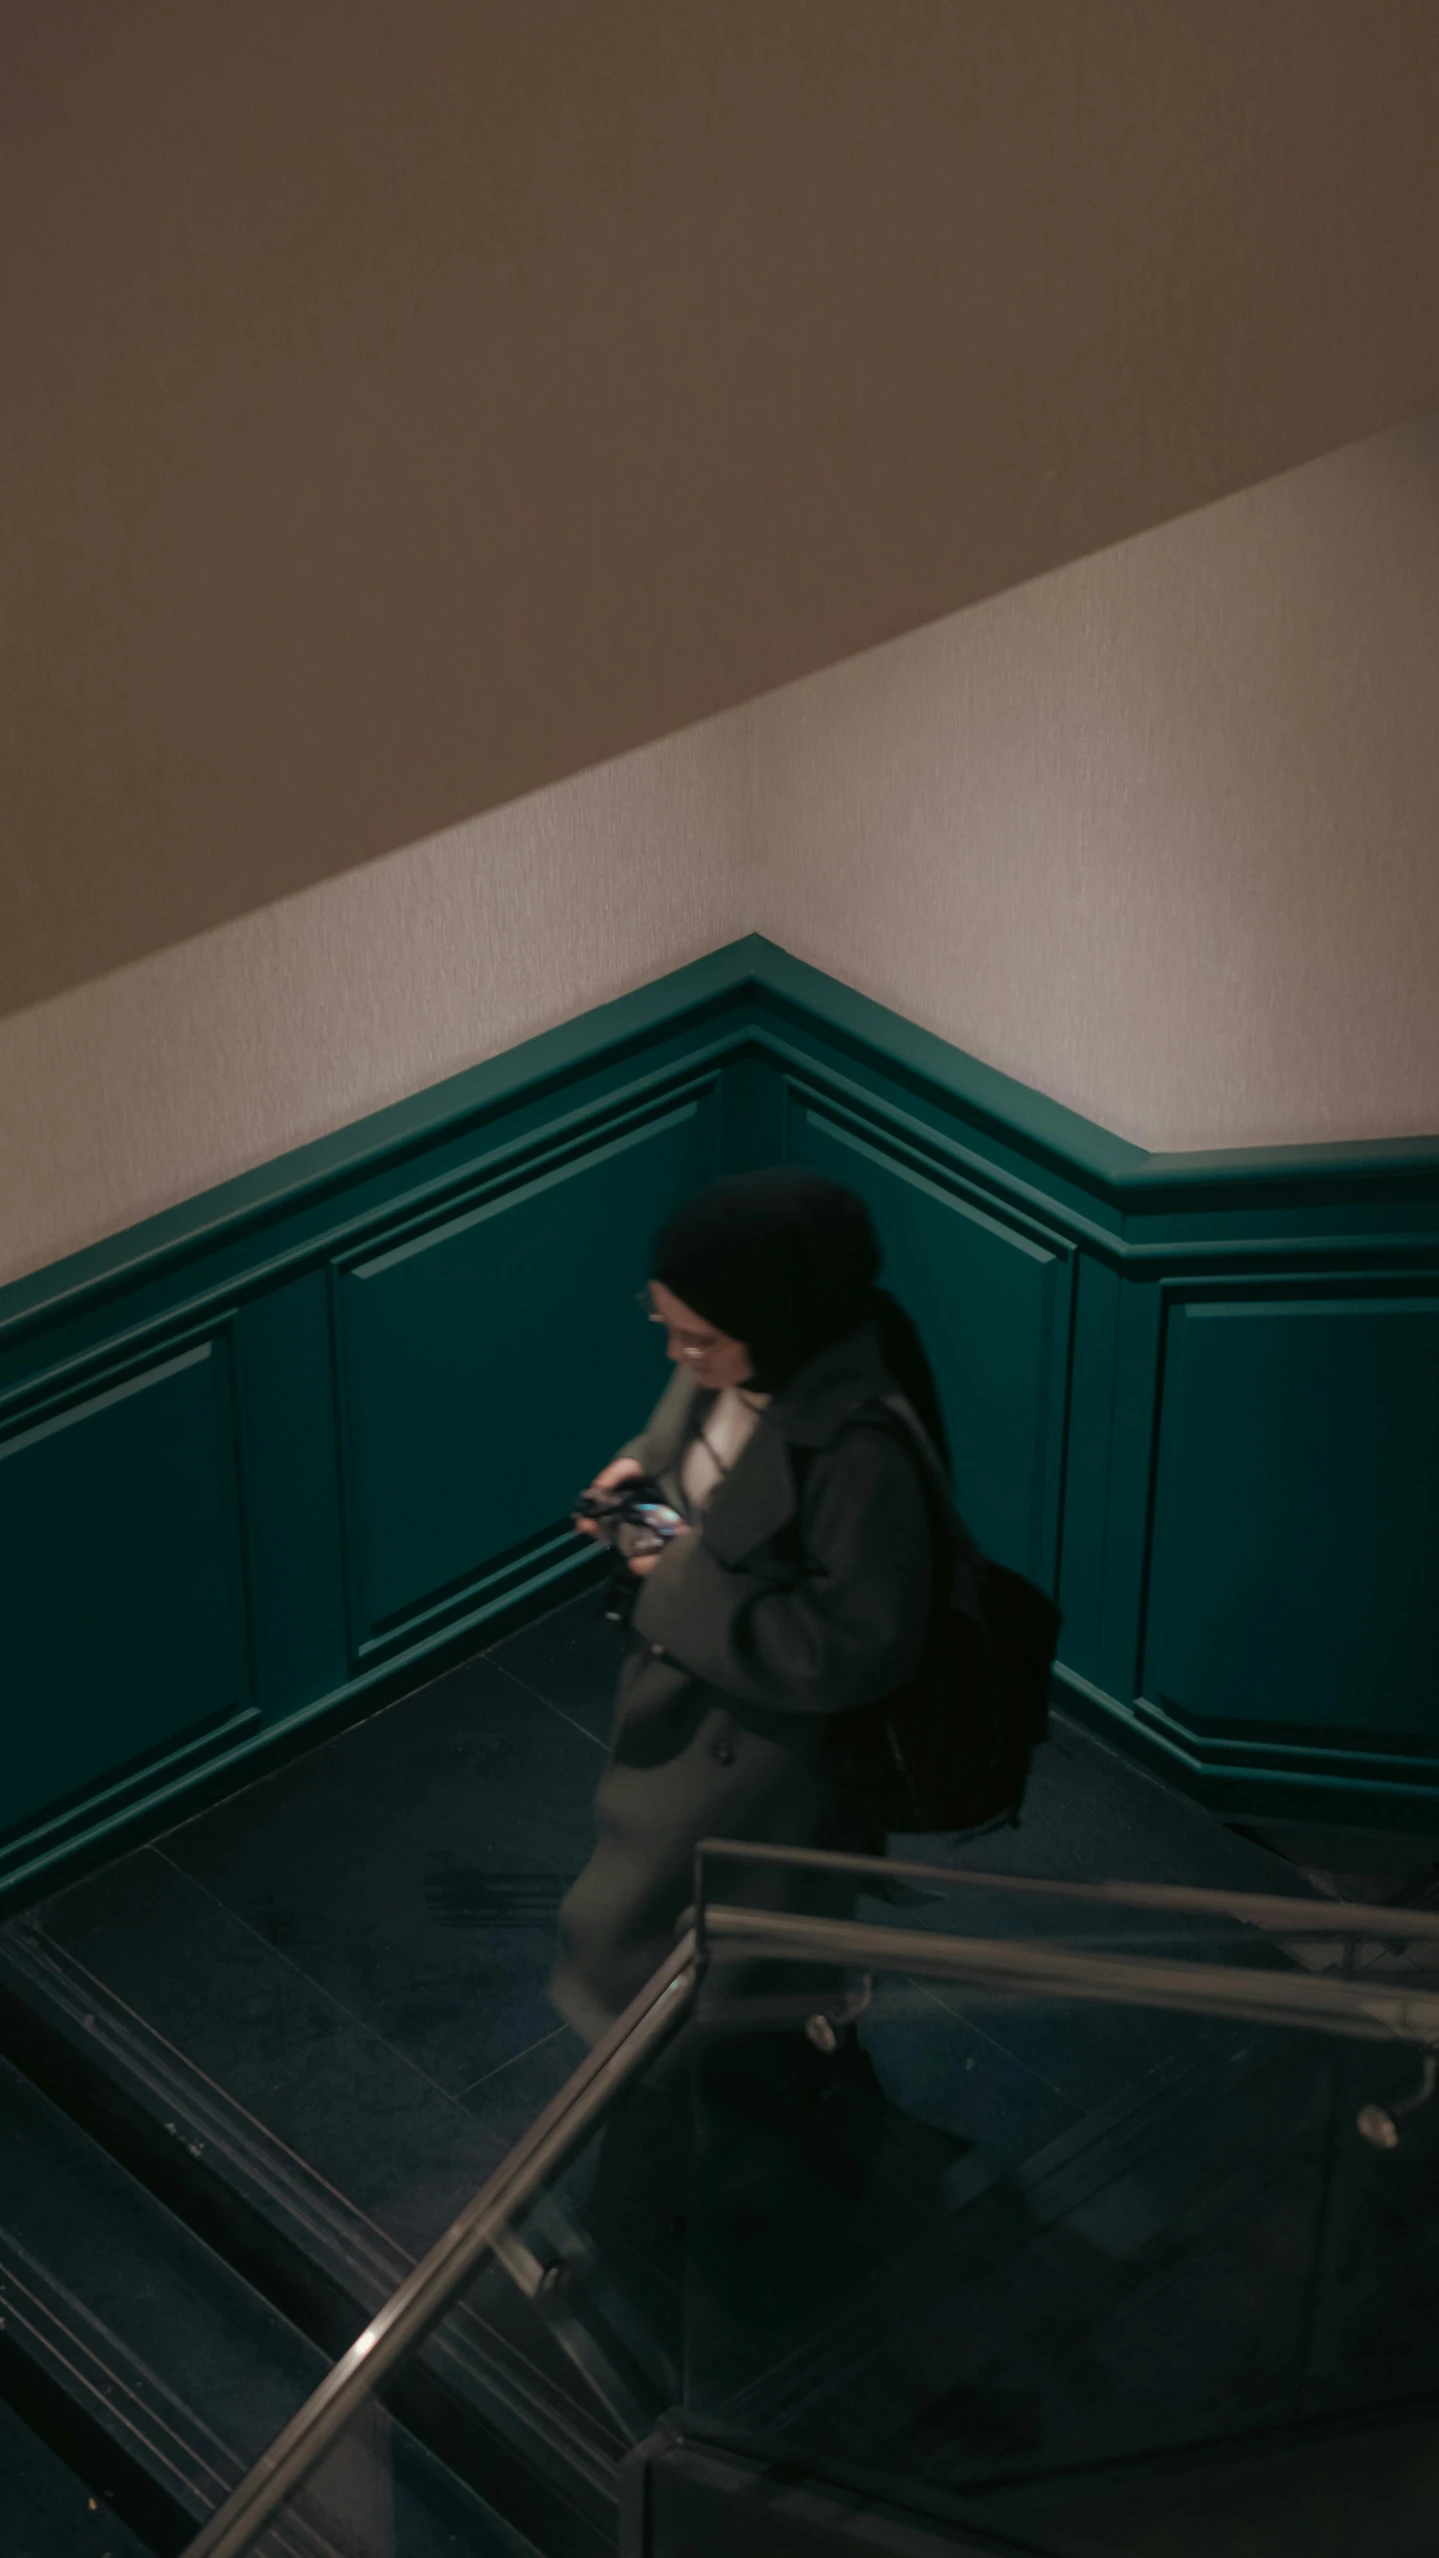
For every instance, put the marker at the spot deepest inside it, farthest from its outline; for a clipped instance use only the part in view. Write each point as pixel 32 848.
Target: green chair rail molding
pixel 283 1450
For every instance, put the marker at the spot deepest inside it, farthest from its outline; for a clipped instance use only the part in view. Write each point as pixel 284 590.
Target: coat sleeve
pixel 852 1630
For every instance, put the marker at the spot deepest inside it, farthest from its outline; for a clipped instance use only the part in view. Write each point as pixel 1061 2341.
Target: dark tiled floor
pixel 412 1868
pixel 572 1659
pixel 358 1947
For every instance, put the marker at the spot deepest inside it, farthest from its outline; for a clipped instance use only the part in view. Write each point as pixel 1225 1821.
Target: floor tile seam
pixel 548 1702
pixel 338 2005
pixel 513 2062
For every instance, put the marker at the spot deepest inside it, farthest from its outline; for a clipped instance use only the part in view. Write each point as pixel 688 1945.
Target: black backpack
pixel 957 1741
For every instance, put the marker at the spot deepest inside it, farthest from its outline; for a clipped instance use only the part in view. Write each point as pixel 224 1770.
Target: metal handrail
pixel 427 2294
pixel 1364 2012
pixel 1037 1967
pixel 1285 1914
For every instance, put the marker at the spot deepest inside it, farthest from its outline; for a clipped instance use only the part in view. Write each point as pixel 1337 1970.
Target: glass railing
pixel 1009 2193
pixel 981 2198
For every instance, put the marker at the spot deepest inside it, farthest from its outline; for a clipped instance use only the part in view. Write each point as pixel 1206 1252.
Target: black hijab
pixel 787 1262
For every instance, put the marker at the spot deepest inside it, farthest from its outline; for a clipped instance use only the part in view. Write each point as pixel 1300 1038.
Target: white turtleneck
pixel 731 1423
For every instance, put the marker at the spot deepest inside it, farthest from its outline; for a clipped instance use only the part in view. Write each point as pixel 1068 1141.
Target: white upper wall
pixel 1158 835
pixel 203 1060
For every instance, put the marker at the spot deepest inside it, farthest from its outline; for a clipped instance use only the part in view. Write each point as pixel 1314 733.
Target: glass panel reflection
pixel 961 2235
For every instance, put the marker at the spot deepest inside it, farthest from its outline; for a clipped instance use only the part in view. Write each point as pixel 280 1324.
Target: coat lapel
pixel 753 1503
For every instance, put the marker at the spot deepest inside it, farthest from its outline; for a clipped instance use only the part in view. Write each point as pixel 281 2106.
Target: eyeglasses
pixel 688 1349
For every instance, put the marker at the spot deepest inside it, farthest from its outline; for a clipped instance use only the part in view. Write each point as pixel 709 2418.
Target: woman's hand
pixel 643 1563
pixel 619 1470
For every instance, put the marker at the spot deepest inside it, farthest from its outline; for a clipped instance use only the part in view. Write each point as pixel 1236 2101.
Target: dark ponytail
pixel 904 1356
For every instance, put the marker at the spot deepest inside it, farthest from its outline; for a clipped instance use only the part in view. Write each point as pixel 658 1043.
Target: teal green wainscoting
pixel 284 1450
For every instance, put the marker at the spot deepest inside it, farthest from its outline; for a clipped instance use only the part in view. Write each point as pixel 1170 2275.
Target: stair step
pixel 151 2367
pixel 492 2393
pixel 48 2511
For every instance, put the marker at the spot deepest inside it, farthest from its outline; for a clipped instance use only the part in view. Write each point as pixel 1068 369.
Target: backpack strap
pixel 966 1560
pixel 896 1416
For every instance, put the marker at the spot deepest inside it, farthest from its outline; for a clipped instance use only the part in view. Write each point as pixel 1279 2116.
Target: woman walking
pixel 796 1600
pixel 799 1597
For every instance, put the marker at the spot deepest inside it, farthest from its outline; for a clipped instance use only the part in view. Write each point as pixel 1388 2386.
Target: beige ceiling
pixel 409 402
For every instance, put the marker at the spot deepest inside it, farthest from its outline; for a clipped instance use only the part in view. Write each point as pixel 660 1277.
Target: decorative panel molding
pixel 484 1358
pixel 1293 1594
pixel 992 1294
pixel 124 1621
pixel 286 1449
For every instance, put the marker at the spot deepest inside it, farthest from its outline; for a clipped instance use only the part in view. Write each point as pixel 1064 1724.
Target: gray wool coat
pixel 753 1643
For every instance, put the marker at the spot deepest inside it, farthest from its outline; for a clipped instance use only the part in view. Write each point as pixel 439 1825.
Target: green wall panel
pixel 292 1475
pixel 277 1452
pixel 124 1615
pixel 992 1296
pixel 490 1362
pixel 1088 1444
pixel 1129 1485
pixel 1294 1589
